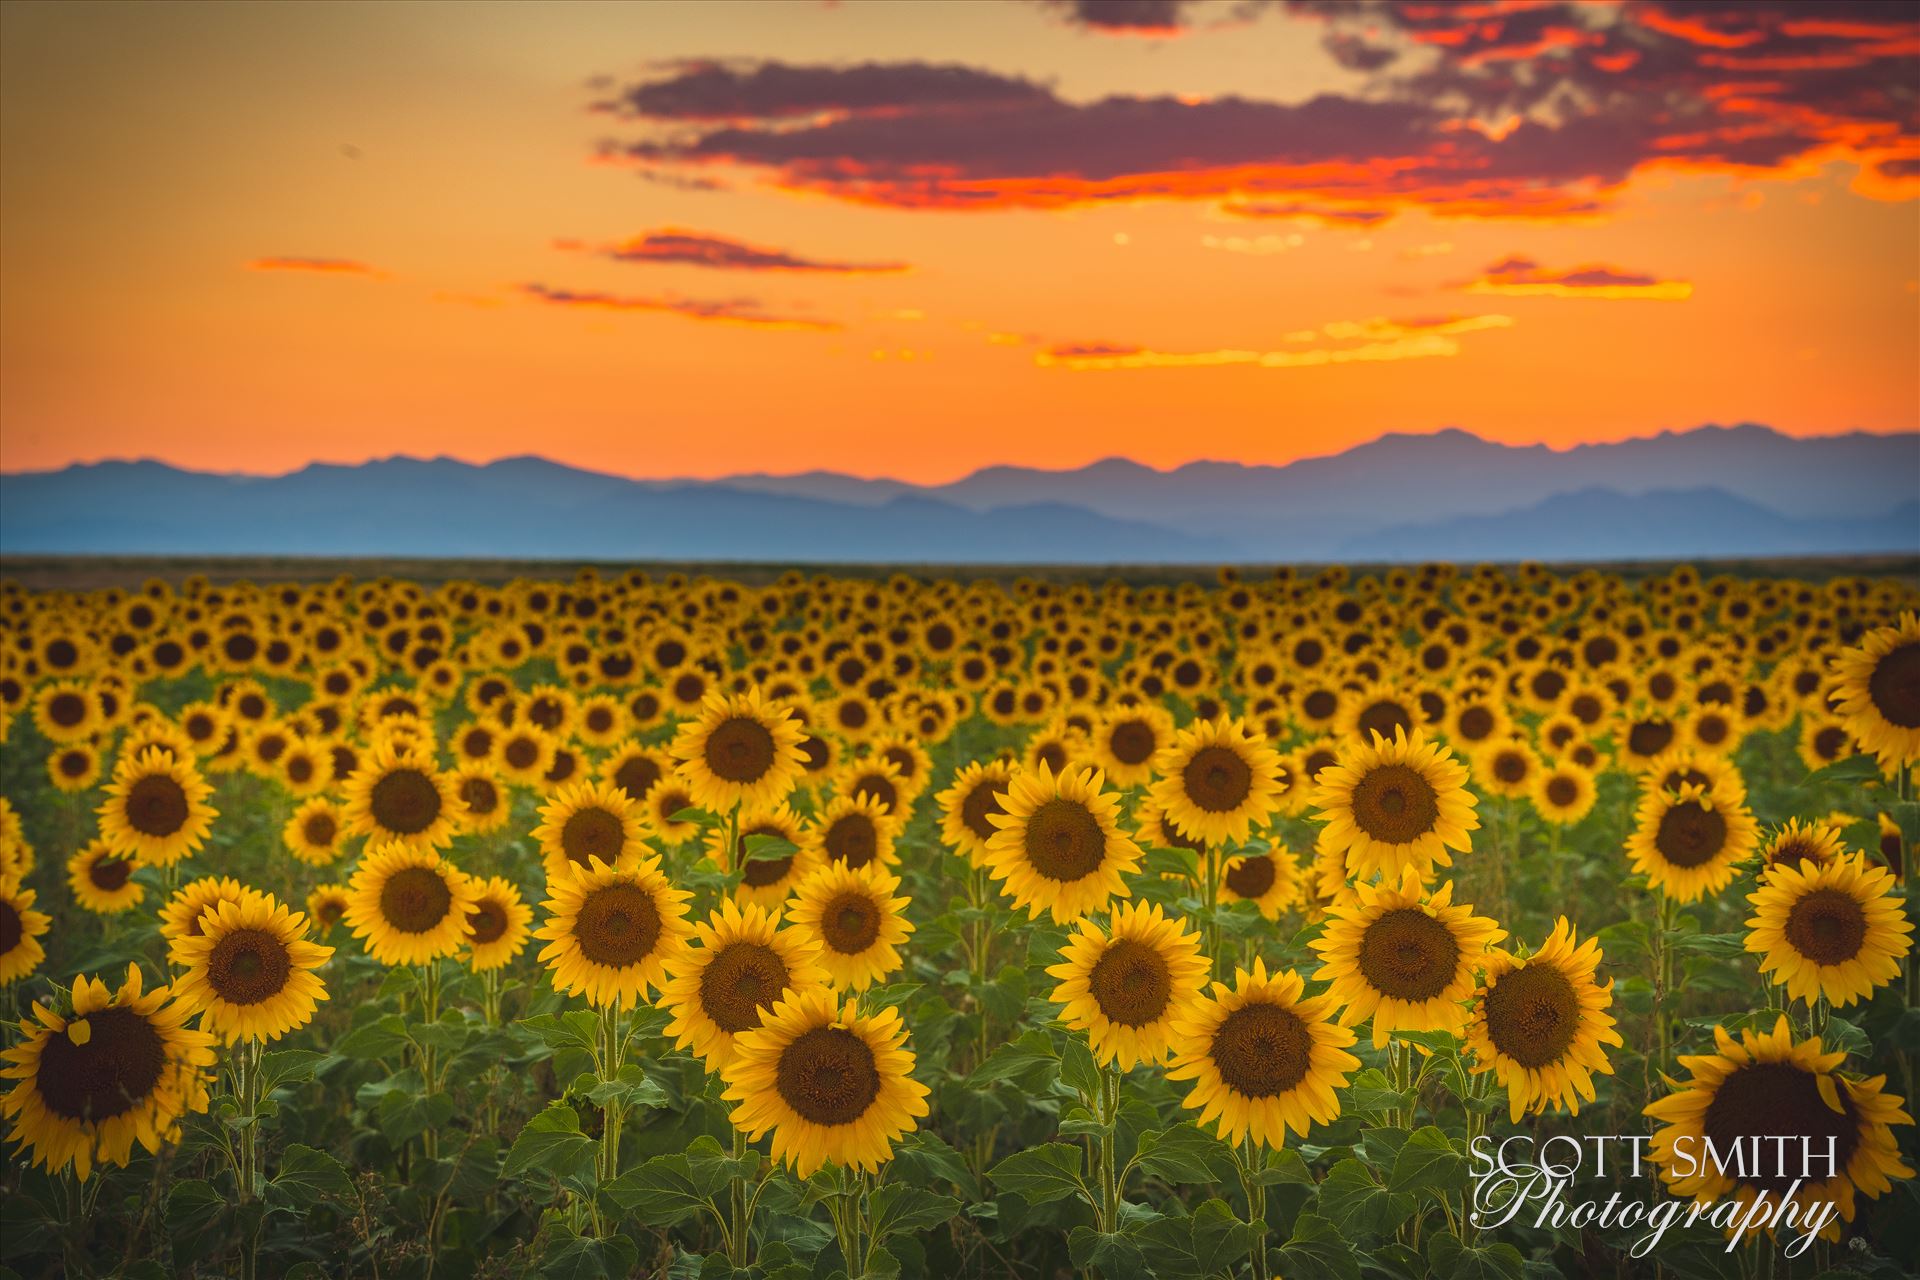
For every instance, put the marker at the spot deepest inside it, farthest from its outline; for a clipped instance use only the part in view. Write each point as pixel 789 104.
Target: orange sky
pixel 245 238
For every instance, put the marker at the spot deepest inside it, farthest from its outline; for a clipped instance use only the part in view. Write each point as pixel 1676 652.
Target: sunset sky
pixel 915 239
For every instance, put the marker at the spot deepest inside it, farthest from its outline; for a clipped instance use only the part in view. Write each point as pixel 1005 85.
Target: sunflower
pixel 1563 793
pixel 398 795
pixel 1270 881
pixel 856 830
pixel 1127 987
pixel 1263 1060
pixel 859 924
pixel 74 767
pixel 1404 959
pixel 525 753
pixel 590 820
pixel 20 930
pixel 741 750
pixel 66 711
pixel 409 904
pixel 611 930
pixel 635 768
pixel 1152 830
pixel 744 965
pixel 1688 843
pixel 1395 805
pixel 499 923
pixel 1540 1023
pixel 1835 929
pixel 156 808
pixel 911 760
pixel 1798 843
pixel 327 906
pixel 1824 739
pixel 1059 847
pixel 181 916
pixel 831 1084
pixel 315 832
pixel 1506 768
pixel 1768 1089
pixel 878 778
pixel 977 791
pixel 251 973
pixel 1217 779
pixel 304 768
pixel 1716 775
pixel 765 880
pixel 662 804
pixel 122 1067
pixel 102 880
pixel 1879 691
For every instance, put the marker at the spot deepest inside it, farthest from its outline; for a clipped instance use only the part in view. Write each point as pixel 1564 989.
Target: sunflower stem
pixel 1213 908
pixel 614 1112
pixel 737 1197
pixel 429 1014
pixel 1256 1193
pixel 1109 1206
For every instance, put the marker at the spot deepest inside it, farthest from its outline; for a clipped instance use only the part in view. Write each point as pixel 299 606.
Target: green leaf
pixel 1852 769
pixel 1317 1251
pixel 575 1029
pixel 898 1209
pixel 1184 1155
pixel 194 1211
pixel 1449 1257
pixel 384 1037
pixel 1211 1241
pixel 631 1086
pixel 1354 1203
pixel 1371 1091
pixel 765 848
pixel 1027 1056
pixel 551 1141
pixel 924 1157
pixel 1428 1162
pixel 1719 946
pixel 1040 1175
pixel 1078 1069
pixel 660 1193
pixel 1284 1166
pixel 712 1167
pixel 1114 1252
pixel 288 1066
pixel 571 1257
pixel 889 997
pixel 1171 862
pixel 405 1113
pixel 306 1172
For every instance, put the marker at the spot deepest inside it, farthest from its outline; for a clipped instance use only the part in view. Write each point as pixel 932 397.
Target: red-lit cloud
pixel 674 246
pixel 740 311
pixel 1519 276
pixel 318 266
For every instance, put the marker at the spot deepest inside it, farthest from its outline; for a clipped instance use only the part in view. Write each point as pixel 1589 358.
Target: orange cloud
pixel 741 311
pixel 676 246
pixel 318 266
pixel 1411 339
pixel 1522 277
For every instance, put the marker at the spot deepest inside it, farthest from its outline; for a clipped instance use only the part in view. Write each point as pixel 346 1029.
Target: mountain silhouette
pixel 1741 490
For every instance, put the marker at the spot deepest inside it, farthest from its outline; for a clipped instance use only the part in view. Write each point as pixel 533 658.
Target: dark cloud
pixel 742 311
pixel 672 245
pixel 715 91
pixel 1522 276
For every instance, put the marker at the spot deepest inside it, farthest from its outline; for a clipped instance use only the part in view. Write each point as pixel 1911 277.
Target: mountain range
pixel 1744 490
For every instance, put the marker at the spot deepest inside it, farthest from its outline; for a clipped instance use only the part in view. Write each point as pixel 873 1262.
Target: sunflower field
pixel 652 925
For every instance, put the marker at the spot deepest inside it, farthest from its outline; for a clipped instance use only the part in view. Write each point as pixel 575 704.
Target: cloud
pixel 741 311
pixel 757 92
pixel 673 245
pixel 1520 277
pixel 1384 340
pixel 1155 18
pixel 318 266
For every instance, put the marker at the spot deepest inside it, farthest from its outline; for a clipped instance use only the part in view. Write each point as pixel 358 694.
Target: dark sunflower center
pixel 814 753
pixel 1394 804
pixel 1131 983
pixel 689 689
pixel 980 802
pixel 247 966
pixel 740 750
pixel 1532 1015
pixel 1253 877
pixel 108 873
pixel 636 776
pixel 1793 851
pixel 618 925
pixel 741 979
pixel 156 806
pixel 1132 742
pixel 1562 790
pixel 853 839
pixel 1053 755
pixel 319 829
pixel 1778 1099
pixel 12 928
pixel 1217 779
pixel 1383 718
pixel 111 1073
pixel 875 786
pixel 850 923
pixel 415 899
pixel 1262 1050
pixel 489 921
pixel 479 795
pixel 406 801
pixel 1064 840
pixel 74 764
pixel 1827 926
pixel 522 753
pixel 1408 955
pixel 66 709
pixel 1894 686
pixel 828 1076
pixel 1649 737
pixel 1830 742
pixel 1319 704
pixel 1690 834
pixel 759 872
pixel 331 911
pixel 1510 767
pixel 593 833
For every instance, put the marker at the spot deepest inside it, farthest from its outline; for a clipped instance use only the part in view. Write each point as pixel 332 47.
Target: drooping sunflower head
pixel 1798 843
pixel 1541 1022
pixel 1263 1059
pixel 1125 986
pixel 977 791
pixel 1767 1087
pixel 101 879
pixel 1059 847
pixel 409 904
pixel 20 930
pixel 107 1069
pixel 1879 691
pixel 1393 806
pixel 1218 778
pixel 1836 929
pixel 156 808
pixel 588 820
pixel 744 965
pixel 610 931
pixel 832 1085
pixel 500 922
pixel 771 854
pixel 251 973
pixel 666 813
pixel 327 907
pixel 1687 843
pixel 741 750
pixel 398 795
pixel 852 913
pixel 1404 958
pixel 855 830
